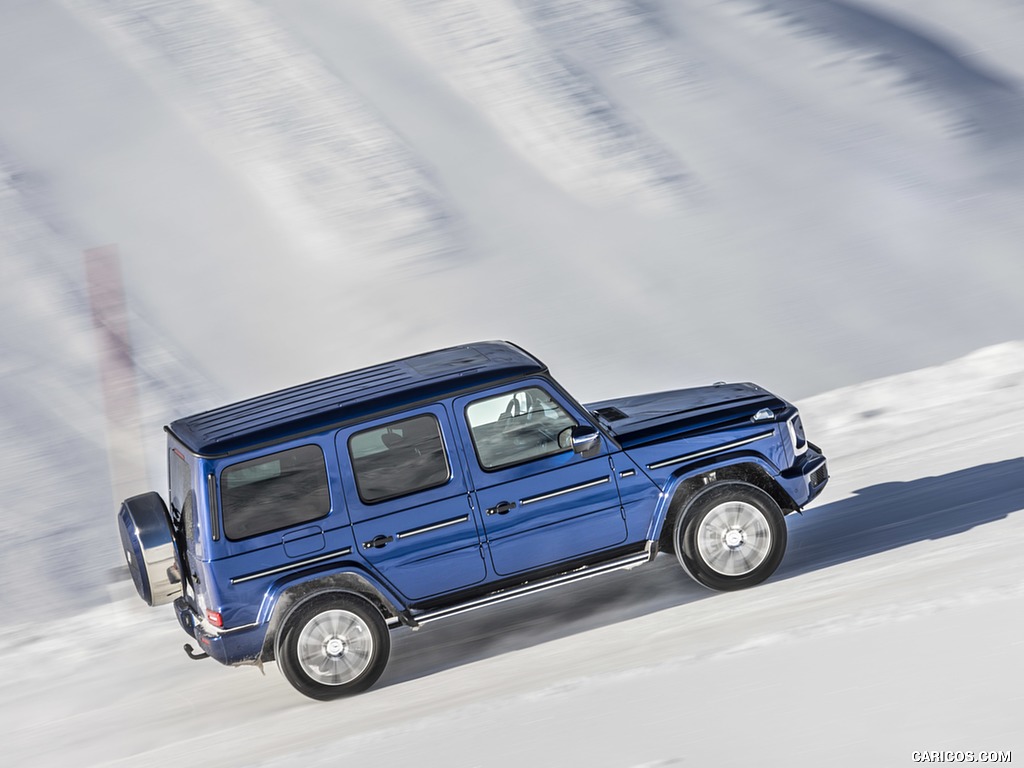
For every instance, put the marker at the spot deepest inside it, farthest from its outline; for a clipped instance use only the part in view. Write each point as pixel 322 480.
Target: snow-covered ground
pixel 812 194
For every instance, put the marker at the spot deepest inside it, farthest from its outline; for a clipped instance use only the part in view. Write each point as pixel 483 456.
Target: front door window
pixel 516 427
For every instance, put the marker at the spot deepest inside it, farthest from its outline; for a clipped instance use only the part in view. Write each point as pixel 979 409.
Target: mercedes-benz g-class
pixel 302 525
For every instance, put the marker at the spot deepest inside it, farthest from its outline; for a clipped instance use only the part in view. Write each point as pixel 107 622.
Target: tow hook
pixel 192 653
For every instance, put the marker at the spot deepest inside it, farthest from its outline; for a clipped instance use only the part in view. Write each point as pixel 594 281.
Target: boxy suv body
pixel 302 525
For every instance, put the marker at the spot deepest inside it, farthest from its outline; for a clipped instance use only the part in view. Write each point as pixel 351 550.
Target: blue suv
pixel 302 525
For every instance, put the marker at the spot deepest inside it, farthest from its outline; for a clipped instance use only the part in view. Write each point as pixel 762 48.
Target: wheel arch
pixel 689 481
pixel 292 596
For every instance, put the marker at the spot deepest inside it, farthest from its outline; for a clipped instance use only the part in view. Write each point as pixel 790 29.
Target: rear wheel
pixel 333 646
pixel 730 536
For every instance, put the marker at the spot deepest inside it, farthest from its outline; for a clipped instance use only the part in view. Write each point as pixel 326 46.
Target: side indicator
pixel 214 618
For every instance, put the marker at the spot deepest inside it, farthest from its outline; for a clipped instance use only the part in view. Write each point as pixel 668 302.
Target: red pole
pixel 117 371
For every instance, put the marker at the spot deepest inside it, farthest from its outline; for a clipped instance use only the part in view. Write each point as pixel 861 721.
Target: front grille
pixel 819 476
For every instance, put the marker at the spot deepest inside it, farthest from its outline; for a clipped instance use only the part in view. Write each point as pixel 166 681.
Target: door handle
pixel 502 508
pixel 377 542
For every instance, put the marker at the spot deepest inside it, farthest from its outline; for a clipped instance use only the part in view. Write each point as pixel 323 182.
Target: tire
pixel 730 536
pixel 333 646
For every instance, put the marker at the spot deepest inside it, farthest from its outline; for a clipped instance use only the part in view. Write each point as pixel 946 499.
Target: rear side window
pixel 398 458
pixel 273 492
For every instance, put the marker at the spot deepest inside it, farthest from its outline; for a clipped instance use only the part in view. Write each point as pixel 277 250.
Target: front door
pixel 541 503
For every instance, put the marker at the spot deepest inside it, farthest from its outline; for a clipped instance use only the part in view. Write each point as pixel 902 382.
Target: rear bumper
pixel 241 645
pixel 807 477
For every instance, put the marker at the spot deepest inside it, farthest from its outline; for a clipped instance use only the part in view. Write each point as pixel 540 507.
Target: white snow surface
pixel 821 196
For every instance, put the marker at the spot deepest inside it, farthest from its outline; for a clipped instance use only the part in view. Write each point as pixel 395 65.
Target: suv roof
pixel 320 404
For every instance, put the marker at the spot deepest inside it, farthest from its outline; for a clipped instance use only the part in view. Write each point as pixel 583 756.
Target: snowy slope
pixel 646 193
pixel 822 176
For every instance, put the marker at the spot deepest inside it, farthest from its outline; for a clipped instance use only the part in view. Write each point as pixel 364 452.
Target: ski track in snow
pixel 630 37
pixel 979 101
pixel 550 110
pixel 313 148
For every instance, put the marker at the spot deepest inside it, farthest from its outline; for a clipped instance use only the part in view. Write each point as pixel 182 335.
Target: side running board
pixel 584 572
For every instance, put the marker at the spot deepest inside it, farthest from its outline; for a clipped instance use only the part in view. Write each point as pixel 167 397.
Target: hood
pixel 642 419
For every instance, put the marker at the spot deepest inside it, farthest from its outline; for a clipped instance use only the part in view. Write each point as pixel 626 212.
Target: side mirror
pixel 583 439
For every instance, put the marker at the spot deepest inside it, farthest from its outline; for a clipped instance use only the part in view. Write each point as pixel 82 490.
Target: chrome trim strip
pixel 433 527
pixel 202 625
pixel 586 572
pixel 813 464
pixel 291 566
pixel 553 494
pixel 627 473
pixel 223 631
pixel 709 451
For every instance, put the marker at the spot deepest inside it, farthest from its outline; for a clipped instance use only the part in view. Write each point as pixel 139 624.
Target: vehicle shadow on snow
pixel 536 619
pixel 890 515
pixel 877 518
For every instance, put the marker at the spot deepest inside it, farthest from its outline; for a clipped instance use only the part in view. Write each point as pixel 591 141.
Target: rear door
pixel 541 503
pixel 409 503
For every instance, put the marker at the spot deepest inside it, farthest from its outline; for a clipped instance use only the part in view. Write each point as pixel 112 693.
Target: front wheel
pixel 730 536
pixel 333 646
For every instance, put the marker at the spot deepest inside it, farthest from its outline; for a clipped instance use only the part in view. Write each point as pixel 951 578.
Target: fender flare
pixel 287 595
pixel 749 467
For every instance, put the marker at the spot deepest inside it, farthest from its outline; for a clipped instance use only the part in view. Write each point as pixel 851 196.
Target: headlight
pixel 796 435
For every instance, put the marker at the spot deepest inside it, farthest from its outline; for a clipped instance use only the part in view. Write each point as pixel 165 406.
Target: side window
pixel 516 427
pixel 398 458
pixel 276 491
